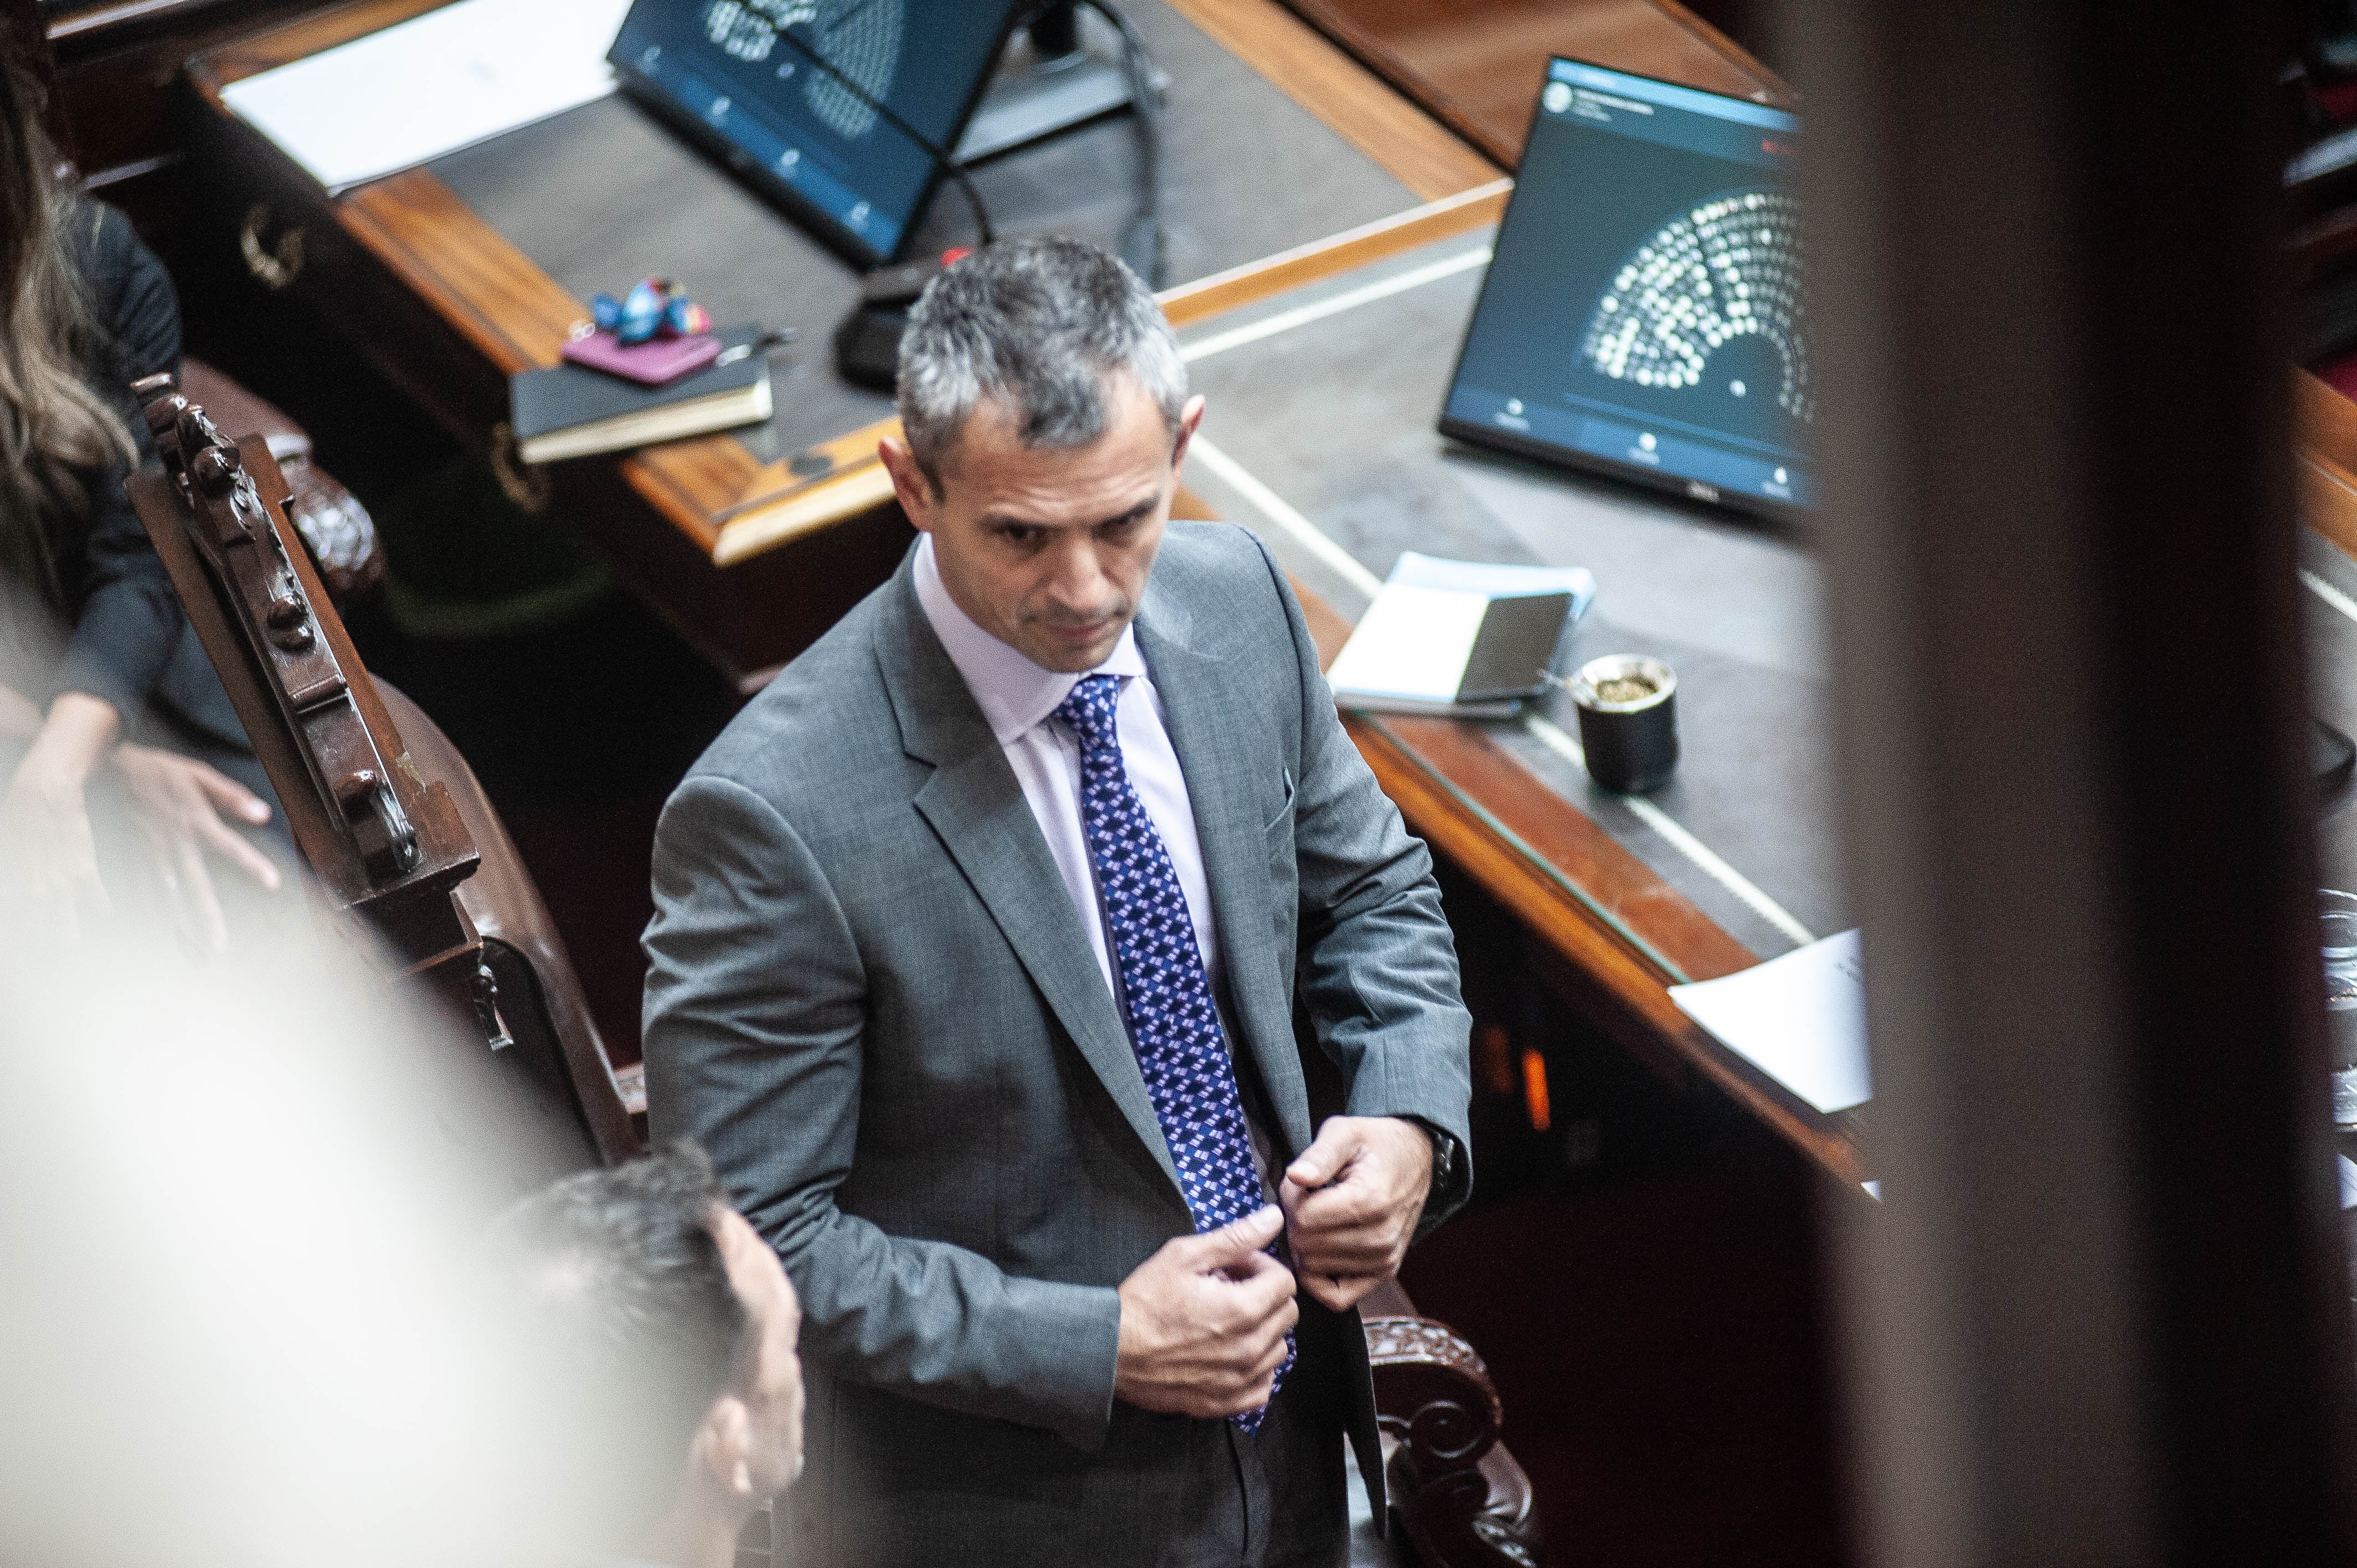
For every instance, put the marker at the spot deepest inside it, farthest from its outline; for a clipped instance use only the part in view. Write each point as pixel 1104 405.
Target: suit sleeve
pixel 1377 966
pixel 755 1011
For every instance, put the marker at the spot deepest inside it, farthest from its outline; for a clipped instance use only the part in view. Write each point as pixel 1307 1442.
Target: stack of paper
pixel 449 79
pixel 1801 1019
pixel 1459 637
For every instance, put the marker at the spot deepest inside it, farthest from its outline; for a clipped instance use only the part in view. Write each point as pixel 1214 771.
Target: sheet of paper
pixel 1801 1019
pixel 447 79
pixel 2348 1182
pixel 1416 571
pixel 1412 642
pixel 1415 638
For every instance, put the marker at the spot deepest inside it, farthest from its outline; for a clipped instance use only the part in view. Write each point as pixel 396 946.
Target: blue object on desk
pixel 655 308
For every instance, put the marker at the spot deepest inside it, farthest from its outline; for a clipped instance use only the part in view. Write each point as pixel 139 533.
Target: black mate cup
pixel 1628 721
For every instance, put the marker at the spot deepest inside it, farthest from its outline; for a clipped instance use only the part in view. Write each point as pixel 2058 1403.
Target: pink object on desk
pixel 653 363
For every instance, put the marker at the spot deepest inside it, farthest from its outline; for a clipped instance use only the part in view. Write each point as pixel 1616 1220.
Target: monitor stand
pixel 1061 71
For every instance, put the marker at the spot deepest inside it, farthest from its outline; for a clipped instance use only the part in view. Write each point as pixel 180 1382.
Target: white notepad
pixel 444 81
pixel 1801 1019
pixel 1417 638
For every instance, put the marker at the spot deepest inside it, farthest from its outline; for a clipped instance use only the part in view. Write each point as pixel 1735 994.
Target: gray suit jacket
pixel 871 999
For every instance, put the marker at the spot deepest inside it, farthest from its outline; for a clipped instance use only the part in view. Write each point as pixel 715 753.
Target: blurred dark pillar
pixel 2102 1319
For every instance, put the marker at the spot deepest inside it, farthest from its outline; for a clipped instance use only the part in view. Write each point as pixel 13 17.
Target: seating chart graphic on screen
pixel 836 108
pixel 861 38
pixel 1645 312
pixel 1728 269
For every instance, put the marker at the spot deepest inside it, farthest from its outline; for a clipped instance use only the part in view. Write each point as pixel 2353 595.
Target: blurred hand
pixel 178 803
pixel 1203 1322
pixel 45 819
pixel 1352 1201
pixel 46 843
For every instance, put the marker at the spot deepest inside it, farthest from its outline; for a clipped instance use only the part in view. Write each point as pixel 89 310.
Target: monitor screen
pixel 835 109
pixel 1643 315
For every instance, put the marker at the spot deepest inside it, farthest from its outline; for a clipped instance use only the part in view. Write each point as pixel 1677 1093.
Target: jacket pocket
pixel 1283 807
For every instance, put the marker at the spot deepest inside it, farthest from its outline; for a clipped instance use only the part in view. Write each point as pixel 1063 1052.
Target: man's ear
pixel 1190 419
pixel 908 482
pixel 724 1446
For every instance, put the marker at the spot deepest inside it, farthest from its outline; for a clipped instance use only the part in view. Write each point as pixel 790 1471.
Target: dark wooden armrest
pixel 1462 1499
pixel 536 990
pixel 336 529
pixel 241 412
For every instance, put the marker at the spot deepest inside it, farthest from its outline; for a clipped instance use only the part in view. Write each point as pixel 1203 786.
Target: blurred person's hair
pixel 53 425
pixel 616 1281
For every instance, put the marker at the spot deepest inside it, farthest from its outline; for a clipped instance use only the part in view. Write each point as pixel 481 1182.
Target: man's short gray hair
pixel 1042 322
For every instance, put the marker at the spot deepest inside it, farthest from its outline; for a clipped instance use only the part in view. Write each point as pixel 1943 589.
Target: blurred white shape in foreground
pixel 236 1325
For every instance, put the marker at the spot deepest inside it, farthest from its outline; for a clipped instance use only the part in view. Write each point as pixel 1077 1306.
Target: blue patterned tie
pixel 1174 1026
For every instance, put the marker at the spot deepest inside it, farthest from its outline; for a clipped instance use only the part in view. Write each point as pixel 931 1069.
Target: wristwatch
pixel 1443 1154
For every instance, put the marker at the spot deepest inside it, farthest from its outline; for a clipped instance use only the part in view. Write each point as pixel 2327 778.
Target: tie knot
pixel 1089 710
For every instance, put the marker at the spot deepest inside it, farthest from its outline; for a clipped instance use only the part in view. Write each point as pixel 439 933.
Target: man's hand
pixel 1352 1199
pixel 1203 1322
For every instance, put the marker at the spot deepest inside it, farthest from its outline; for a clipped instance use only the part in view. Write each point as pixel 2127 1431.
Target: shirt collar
pixel 1013 693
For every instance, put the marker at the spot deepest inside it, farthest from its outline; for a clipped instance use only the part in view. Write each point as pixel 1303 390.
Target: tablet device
pixel 838 110
pixel 1643 315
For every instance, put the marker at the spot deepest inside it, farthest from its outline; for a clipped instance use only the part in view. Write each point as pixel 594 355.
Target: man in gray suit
pixel 1002 948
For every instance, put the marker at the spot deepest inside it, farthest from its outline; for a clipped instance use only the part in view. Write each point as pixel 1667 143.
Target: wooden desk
pixel 1319 436
pixel 1471 62
pixel 455 306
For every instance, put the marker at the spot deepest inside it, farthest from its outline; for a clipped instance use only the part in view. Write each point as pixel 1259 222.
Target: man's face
pixel 773 1400
pixel 1047 549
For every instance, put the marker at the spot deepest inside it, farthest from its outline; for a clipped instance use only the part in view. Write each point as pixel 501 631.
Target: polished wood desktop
pixel 449 306
pixel 1469 61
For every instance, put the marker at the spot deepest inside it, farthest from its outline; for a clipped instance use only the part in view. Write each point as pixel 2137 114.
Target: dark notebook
pixel 573 411
pixel 1515 644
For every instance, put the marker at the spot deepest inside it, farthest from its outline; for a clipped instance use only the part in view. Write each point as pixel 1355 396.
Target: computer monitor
pixel 837 110
pixel 1643 314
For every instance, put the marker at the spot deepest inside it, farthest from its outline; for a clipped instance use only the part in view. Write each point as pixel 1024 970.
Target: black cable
pixel 956 172
pixel 1141 247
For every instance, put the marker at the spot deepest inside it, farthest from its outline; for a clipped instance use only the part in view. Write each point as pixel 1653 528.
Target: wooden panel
pixel 1265 279
pixel 1476 65
pixel 300 40
pixel 1359 106
pixel 2326 425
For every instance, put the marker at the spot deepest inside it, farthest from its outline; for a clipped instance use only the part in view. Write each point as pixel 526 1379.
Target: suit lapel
pixel 973 802
pixel 1205 706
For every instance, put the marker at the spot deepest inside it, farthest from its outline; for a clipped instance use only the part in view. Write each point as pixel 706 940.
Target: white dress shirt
pixel 1016 697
